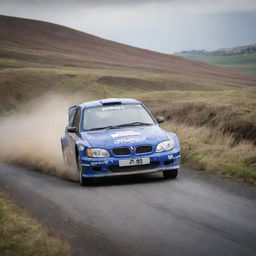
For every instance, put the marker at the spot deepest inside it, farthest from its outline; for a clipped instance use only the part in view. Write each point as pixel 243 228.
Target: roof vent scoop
pixel 110 102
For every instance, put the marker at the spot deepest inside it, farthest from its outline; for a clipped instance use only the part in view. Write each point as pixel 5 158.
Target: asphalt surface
pixel 196 214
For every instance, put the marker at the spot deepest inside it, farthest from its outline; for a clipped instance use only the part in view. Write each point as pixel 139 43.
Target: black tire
pixel 170 174
pixel 83 181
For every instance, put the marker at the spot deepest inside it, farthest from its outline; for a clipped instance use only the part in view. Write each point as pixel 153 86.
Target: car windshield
pixel 115 116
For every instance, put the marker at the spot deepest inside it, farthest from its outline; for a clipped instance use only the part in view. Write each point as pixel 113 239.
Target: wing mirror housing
pixel 71 129
pixel 160 119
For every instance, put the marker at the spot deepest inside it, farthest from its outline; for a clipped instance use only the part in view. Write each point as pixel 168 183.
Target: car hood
pixel 110 138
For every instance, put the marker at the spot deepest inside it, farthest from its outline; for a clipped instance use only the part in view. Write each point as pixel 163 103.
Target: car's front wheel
pixel 83 181
pixel 170 174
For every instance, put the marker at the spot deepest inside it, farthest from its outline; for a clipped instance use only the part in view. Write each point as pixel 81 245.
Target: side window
pixel 76 120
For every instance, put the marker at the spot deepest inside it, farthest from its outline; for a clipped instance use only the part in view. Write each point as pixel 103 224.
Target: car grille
pixel 116 168
pixel 122 151
pixel 143 149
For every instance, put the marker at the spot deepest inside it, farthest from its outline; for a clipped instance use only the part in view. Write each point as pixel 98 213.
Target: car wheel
pixel 83 181
pixel 170 174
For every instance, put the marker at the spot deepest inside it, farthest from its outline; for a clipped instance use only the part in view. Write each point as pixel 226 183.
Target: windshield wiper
pixel 117 126
pixel 132 124
pixel 100 128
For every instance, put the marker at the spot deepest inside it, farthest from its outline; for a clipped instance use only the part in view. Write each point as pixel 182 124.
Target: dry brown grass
pixel 22 235
pixel 228 111
pixel 207 149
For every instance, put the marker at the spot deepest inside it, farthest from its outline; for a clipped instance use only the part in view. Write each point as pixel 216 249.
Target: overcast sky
pixel 162 25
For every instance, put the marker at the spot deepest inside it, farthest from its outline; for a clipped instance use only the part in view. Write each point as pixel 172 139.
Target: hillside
pixel 46 43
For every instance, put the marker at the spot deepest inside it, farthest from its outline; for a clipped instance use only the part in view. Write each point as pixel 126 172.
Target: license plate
pixel 137 161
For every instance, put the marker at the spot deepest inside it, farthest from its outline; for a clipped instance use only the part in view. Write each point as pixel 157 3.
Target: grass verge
pixel 207 149
pixel 229 111
pixel 22 235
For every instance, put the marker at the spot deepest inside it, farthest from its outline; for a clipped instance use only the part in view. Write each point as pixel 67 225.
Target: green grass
pixel 9 62
pixel 243 62
pixel 22 235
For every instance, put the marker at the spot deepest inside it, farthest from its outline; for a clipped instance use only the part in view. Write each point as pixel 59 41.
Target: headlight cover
pixel 165 145
pixel 97 152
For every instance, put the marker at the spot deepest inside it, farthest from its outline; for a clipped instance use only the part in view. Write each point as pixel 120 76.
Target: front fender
pixel 81 147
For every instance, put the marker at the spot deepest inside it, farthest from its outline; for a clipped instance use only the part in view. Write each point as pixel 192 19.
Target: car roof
pixel 110 101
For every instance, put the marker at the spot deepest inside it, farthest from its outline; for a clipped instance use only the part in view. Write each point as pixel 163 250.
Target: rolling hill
pixel 45 43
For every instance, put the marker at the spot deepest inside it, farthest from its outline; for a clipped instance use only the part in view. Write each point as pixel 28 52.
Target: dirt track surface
pixel 197 214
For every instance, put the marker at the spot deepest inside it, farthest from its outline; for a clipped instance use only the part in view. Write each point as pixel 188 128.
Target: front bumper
pixel 104 167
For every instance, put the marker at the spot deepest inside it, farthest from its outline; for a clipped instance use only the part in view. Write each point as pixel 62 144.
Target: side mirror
pixel 71 129
pixel 160 119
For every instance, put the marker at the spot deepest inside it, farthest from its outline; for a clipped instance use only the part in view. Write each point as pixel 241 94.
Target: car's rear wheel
pixel 170 174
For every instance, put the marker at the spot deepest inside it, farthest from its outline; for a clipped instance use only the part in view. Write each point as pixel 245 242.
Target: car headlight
pixel 165 145
pixel 97 152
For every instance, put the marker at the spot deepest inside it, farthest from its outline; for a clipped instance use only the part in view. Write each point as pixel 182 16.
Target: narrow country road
pixel 197 214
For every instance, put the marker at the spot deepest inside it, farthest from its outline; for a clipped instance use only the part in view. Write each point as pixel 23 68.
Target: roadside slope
pixel 20 234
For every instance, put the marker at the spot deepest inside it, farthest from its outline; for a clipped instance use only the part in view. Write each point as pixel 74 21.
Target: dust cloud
pixel 32 137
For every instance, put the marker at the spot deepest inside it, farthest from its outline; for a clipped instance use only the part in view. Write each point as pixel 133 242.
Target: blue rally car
pixel 112 137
